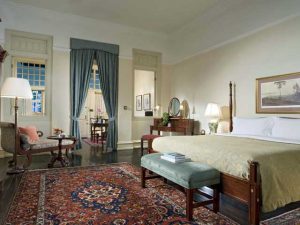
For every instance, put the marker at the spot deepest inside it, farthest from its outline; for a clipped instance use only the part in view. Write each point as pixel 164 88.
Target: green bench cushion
pixel 187 174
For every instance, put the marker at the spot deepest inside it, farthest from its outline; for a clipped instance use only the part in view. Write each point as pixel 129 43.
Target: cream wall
pixel 61 90
pixel 205 77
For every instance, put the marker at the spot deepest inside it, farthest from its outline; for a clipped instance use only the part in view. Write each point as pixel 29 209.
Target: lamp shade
pixel 16 88
pixel 212 110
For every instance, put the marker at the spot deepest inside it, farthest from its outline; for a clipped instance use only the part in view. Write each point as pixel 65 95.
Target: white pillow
pixel 253 126
pixel 287 128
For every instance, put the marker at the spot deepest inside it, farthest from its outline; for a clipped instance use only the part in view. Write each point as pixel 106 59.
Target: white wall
pixel 61 91
pixel 205 77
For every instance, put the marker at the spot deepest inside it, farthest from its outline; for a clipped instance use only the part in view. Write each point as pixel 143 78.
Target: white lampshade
pixel 212 110
pixel 16 88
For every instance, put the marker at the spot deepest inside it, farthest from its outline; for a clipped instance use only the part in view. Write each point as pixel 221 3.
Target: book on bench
pixel 174 157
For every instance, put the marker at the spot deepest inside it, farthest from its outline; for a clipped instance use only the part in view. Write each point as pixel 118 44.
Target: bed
pixel 258 170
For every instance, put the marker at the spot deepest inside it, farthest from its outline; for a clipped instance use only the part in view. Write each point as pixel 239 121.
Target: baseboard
pixel 124 145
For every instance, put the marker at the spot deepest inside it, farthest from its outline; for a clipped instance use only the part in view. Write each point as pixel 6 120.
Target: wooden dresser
pixel 185 126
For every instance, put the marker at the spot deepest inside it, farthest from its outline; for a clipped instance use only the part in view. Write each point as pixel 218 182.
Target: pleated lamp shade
pixel 212 110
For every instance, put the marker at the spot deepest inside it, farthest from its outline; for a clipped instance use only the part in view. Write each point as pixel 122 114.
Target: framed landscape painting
pixel 278 94
pixel 138 103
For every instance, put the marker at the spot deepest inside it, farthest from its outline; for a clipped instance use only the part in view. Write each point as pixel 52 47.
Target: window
pixel 95 81
pixel 35 72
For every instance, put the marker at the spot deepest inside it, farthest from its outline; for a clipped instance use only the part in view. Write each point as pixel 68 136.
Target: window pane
pixel 36 78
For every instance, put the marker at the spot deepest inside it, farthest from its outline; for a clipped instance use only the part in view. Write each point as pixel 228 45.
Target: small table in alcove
pixel 59 156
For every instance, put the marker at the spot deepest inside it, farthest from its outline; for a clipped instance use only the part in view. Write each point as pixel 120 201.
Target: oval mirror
pixel 174 107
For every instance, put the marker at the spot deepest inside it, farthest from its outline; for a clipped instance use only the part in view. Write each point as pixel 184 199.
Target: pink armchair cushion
pixel 31 132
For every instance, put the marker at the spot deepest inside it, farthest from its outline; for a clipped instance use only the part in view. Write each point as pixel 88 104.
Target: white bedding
pixel 265 138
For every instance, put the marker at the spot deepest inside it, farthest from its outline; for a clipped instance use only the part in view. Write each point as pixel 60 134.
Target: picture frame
pixel 278 94
pixel 147 102
pixel 138 103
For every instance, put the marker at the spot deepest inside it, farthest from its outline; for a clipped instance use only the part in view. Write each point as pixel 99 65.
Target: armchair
pixel 27 149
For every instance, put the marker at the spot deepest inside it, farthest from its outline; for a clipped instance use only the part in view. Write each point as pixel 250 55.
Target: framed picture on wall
pixel 278 94
pixel 138 103
pixel 147 102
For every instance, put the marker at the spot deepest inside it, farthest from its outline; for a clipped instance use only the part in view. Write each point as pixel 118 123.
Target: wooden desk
pixel 185 126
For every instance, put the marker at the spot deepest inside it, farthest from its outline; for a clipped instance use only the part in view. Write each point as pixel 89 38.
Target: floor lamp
pixel 16 88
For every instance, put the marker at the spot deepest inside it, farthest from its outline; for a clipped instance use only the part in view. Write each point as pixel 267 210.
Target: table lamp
pixel 16 88
pixel 212 111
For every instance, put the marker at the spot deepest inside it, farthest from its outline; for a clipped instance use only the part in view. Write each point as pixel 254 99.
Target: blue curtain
pixel 81 62
pixel 108 64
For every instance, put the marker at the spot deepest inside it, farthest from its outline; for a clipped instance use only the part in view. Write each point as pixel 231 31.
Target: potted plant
pixel 165 119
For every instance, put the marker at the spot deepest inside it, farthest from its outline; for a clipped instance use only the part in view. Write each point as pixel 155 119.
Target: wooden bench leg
pixel 189 204
pixel 149 150
pixel 143 174
pixel 142 146
pixel 216 198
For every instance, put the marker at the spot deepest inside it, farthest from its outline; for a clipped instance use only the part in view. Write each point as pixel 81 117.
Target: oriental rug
pixel 106 194
pixel 91 143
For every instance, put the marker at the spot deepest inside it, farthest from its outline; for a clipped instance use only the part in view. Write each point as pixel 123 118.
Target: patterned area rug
pixel 108 194
pixel 91 143
pixel 289 218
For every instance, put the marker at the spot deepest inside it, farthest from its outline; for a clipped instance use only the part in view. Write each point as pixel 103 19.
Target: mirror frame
pixel 170 106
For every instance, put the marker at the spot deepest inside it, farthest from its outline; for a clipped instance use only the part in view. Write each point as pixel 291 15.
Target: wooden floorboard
pixel 95 156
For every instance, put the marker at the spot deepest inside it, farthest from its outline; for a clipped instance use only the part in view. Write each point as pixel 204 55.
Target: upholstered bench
pixel 189 175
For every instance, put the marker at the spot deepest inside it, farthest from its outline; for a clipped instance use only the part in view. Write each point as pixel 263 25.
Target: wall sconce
pixel 156 110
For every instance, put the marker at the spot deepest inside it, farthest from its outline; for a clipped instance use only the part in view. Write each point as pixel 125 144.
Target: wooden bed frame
pixel 247 191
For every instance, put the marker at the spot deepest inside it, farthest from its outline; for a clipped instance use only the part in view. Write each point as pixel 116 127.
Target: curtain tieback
pixel 75 118
pixel 111 119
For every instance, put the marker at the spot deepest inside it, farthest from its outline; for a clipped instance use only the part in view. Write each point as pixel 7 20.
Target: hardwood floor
pixel 93 156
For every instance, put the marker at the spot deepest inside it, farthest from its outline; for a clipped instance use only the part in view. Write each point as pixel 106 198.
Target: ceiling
pixel 164 16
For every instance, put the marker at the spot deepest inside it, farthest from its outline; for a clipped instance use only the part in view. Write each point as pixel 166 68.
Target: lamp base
pixel 213 126
pixel 15 170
